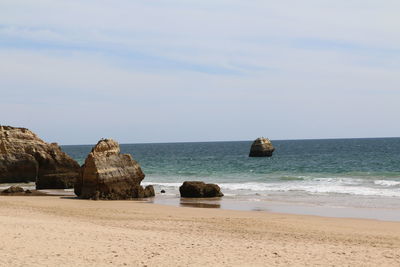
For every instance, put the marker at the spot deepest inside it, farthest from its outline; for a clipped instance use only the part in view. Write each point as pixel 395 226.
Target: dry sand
pixel 54 231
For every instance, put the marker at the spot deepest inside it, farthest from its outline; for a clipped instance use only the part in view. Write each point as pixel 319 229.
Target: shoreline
pixel 237 204
pixel 290 208
pixel 53 230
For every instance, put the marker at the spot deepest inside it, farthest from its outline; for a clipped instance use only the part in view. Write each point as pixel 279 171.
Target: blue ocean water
pixel 357 171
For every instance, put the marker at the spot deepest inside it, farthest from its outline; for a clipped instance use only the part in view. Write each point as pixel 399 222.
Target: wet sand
pixel 300 208
pixel 63 231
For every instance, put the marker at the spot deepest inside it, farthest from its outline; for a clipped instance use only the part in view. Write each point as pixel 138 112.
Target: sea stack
pixel 108 174
pixel 261 147
pixel 24 157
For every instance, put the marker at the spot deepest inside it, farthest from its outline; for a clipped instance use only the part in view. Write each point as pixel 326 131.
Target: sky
pixel 75 71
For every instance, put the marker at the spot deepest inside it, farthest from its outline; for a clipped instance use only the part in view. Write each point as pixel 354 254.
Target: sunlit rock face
pixel 108 174
pixel 261 147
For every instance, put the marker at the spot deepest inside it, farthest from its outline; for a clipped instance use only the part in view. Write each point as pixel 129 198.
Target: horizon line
pixel 226 141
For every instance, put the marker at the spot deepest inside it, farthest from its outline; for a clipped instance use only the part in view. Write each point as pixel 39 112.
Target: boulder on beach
pixel 149 191
pixel 199 189
pixel 108 174
pixel 140 192
pixel 261 147
pixel 13 189
pixel 24 157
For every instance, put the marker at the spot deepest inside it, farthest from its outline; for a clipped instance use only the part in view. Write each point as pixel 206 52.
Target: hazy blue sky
pixel 158 71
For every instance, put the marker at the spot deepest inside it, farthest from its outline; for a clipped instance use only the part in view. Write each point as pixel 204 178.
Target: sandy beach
pixel 61 231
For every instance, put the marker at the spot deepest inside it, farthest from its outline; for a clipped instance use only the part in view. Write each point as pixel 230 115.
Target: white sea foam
pixel 326 187
pixel 162 184
pixel 320 186
pixel 339 180
pixel 354 190
pixel 386 182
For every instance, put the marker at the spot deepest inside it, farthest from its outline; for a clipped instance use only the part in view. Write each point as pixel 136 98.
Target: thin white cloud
pixel 291 69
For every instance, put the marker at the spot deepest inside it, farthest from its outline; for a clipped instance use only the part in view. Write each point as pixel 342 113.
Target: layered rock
pixel 261 147
pixel 108 174
pixel 24 157
pixel 198 189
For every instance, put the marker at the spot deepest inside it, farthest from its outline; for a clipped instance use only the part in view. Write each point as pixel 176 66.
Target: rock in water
pixel 108 174
pixel 199 189
pixel 24 157
pixel 261 147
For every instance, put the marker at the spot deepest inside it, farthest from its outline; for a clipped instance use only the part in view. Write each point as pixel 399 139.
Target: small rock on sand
pixel 13 189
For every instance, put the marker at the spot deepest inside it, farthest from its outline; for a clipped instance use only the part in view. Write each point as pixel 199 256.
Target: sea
pixel 332 177
pixel 320 175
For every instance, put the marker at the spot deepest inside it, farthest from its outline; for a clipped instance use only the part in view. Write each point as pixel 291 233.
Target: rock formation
pixel 199 189
pixel 24 157
pixel 261 147
pixel 149 191
pixel 108 174
pixel 13 189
